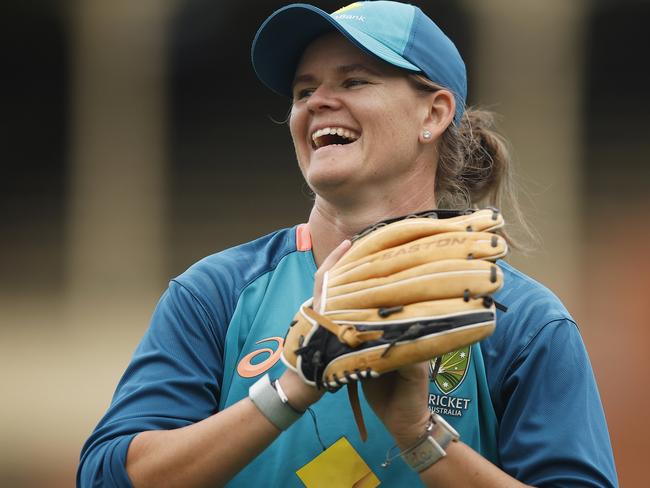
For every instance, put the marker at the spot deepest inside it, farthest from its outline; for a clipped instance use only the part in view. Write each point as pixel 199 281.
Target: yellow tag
pixel 340 466
pixel 348 7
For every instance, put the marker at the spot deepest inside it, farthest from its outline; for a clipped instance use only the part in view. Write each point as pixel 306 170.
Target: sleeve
pixel 553 430
pixel 172 381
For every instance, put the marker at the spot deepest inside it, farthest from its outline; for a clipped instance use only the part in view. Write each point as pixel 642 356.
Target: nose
pixel 323 98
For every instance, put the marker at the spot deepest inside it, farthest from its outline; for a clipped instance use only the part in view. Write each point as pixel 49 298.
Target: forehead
pixel 332 51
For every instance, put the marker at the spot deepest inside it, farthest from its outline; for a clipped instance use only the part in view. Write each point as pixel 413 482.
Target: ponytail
pixel 475 168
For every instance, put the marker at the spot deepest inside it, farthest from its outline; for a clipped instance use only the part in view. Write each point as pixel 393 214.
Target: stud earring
pixel 427 135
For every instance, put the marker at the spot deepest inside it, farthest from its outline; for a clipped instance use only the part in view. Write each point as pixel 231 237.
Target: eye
pixel 352 82
pixel 302 93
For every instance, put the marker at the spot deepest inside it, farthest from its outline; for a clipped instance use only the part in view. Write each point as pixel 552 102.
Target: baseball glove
pixel 408 290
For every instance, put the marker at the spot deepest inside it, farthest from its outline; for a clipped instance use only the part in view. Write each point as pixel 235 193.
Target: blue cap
pixel 397 33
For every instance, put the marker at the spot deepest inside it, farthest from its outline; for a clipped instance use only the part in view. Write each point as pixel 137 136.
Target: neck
pixel 330 224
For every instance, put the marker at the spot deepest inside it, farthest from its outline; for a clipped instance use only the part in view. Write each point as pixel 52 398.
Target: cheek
pixel 406 129
pixel 395 120
pixel 297 131
pixel 296 124
pixel 395 133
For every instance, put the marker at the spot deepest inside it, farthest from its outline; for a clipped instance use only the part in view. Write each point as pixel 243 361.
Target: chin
pixel 329 173
pixel 330 182
pixel 328 185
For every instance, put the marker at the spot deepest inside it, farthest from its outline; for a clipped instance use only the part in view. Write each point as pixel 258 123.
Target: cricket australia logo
pixel 453 369
pixel 451 372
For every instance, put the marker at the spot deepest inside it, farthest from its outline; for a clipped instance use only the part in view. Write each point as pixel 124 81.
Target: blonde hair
pixel 475 168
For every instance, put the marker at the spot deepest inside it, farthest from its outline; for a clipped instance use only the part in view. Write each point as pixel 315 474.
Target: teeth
pixel 339 131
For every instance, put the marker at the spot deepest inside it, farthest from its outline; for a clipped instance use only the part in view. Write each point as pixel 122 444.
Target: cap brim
pixel 284 36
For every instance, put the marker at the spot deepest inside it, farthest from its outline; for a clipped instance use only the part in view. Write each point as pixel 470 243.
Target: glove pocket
pixel 453 278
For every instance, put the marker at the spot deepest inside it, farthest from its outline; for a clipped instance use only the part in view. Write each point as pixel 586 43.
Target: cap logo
pixel 360 18
pixel 348 7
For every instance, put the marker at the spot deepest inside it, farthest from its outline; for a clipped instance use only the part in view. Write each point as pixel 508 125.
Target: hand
pixel 329 262
pixel 400 400
pixel 300 394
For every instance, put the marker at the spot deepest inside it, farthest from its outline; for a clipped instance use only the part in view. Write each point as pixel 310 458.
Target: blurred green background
pixel 135 139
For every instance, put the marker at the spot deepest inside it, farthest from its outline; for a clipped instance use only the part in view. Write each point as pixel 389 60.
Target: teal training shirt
pixel 525 398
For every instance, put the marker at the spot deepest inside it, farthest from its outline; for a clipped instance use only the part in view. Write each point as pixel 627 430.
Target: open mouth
pixel 328 136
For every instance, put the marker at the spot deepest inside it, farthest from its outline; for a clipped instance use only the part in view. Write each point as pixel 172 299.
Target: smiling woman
pixel 342 88
pixel 380 129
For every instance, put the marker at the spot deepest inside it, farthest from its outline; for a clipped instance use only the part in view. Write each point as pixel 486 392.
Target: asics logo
pixel 247 369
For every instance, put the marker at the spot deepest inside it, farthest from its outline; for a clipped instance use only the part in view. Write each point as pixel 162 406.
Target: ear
pixel 442 108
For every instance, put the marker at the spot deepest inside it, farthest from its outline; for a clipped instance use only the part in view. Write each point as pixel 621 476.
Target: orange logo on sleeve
pixel 247 369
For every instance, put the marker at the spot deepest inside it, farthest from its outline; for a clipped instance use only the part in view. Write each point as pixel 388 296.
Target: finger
pixel 329 262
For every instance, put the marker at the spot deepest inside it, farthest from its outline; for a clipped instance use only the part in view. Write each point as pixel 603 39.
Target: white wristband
pixel 431 447
pixel 271 400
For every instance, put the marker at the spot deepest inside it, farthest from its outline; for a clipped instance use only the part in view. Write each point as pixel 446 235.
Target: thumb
pixel 328 264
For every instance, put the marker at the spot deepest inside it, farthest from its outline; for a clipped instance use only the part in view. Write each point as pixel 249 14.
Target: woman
pixel 380 129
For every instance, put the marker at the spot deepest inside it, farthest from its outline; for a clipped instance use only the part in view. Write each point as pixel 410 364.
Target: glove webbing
pixel 347 334
pixel 352 337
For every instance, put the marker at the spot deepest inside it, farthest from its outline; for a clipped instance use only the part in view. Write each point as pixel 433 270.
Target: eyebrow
pixel 343 69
